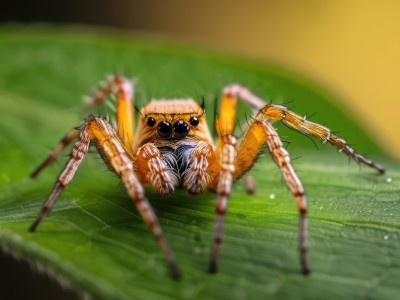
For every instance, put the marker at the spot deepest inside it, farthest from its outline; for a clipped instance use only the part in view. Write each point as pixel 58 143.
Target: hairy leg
pixel 295 121
pixel 65 141
pixel 78 153
pixel 120 161
pixel 225 125
pixel 224 186
pixel 262 133
pixel 123 89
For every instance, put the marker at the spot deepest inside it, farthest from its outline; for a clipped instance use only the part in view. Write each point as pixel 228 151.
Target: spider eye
pixel 181 129
pixel 194 121
pixel 164 129
pixel 151 122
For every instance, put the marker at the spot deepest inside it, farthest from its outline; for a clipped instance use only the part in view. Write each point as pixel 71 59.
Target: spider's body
pixel 172 148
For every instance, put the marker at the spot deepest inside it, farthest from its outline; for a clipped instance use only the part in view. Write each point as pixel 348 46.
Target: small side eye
pixel 151 122
pixel 194 121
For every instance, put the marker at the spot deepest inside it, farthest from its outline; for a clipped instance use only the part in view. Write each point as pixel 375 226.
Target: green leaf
pixel 95 242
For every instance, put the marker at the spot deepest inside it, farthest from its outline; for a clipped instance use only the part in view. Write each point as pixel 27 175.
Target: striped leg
pixel 78 153
pixel 295 121
pixel 225 124
pixel 123 89
pixel 228 155
pixel 259 134
pixel 115 155
pixel 71 136
pixel 282 159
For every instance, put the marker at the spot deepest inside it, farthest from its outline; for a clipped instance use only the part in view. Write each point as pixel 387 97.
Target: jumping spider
pixel 173 148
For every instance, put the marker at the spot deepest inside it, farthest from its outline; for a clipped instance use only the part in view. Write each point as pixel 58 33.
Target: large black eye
pixel 151 121
pixel 181 129
pixel 164 129
pixel 194 121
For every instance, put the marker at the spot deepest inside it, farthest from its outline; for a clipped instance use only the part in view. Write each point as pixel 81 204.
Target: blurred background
pixel 352 47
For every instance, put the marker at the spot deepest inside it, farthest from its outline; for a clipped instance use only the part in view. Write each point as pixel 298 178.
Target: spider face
pixel 168 121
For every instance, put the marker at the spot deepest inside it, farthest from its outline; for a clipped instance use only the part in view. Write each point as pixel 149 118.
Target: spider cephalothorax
pixel 172 120
pixel 173 148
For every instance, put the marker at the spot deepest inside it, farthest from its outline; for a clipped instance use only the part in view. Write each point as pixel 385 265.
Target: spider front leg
pixel 123 89
pixel 259 134
pixel 120 161
pixel 225 125
pixel 295 121
pixel 224 186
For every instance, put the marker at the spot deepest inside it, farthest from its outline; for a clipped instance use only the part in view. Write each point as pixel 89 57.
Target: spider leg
pixel 227 169
pixel 259 134
pixel 250 186
pixel 123 89
pixel 225 124
pixel 65 141
pixel 295 121
pixel 118 158
pixel 125 114
pixel 78 153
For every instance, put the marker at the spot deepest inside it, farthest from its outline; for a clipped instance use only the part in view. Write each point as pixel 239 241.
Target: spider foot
pixel 213 267
pixel 306 270
pixel 175 271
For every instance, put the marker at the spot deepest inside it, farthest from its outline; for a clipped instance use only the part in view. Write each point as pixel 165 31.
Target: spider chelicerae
pixel 172 148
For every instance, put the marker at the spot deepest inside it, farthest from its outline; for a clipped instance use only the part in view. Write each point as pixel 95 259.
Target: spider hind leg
pixel 65 141
pixel 78 153
pixel 123 89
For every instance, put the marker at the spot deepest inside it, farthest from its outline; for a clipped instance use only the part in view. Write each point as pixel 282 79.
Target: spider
pixel 172 148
